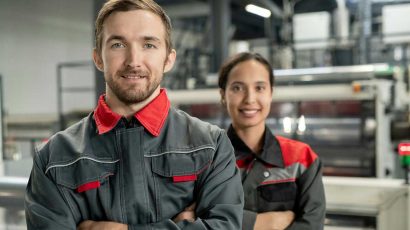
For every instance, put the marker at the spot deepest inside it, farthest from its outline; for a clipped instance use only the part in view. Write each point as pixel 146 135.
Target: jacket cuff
pixel 249 219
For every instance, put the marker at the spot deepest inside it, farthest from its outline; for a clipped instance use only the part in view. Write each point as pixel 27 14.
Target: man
pixel 135 162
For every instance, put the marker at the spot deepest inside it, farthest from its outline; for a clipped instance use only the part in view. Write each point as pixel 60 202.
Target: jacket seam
pixel 80 158
pixel 157 199
pixel 144 176
pixel 70 205
pixel 182 151
pixel 118 133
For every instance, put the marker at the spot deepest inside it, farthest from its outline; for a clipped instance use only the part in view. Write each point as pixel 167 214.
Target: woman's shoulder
pixel 294 151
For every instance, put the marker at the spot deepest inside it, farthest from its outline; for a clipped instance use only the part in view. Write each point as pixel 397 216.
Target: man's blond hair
pixel 112 6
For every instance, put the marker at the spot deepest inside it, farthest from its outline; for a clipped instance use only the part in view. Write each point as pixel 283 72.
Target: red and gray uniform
pixel 286 175
pixel 141 173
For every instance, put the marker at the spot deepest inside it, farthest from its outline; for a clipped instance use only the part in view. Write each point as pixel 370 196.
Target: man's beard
pixel 130 94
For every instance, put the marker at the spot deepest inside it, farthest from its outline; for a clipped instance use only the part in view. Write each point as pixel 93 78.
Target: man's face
pixel 133 55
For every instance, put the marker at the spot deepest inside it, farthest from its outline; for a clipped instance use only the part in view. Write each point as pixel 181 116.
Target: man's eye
pixel 117 45
pixel 149 46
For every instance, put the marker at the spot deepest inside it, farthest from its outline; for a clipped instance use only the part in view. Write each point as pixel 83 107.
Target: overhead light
pixel 287 124
pixel 302 124
pixel 263 12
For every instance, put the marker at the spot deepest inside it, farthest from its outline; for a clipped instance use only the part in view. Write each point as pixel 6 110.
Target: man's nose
pixel 134 57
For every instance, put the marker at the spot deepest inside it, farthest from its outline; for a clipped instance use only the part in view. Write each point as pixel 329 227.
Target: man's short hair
pixel 112 6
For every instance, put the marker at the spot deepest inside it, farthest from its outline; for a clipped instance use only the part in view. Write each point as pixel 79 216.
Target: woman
pixel 282 178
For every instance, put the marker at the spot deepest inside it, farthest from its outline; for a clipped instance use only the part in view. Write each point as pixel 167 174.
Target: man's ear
pixel 169 63
pixel 98 60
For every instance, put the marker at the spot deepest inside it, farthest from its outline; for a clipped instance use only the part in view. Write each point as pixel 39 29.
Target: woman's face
pixel 248 95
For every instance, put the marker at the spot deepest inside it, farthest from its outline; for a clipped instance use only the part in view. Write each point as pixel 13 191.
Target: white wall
pixel 34 37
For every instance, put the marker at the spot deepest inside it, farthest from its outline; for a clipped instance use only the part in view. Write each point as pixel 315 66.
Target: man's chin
pixel 132 100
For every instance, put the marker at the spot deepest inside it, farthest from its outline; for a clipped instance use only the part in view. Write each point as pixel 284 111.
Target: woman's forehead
pixel 250 71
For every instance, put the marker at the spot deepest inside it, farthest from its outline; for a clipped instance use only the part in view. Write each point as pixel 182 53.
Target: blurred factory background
pixel 342 85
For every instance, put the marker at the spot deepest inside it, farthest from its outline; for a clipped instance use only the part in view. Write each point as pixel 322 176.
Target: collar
pixel 152 116
pixel 271 151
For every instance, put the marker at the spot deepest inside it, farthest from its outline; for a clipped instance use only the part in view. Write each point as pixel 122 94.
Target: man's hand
pixel 188 214
pixel 101 225
pixel 274 220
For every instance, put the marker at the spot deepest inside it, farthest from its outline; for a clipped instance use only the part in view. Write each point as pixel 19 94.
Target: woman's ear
pixel 222 93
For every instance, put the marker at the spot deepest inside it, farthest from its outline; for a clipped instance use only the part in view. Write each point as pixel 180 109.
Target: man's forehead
pixel 142 22
pixel 135 17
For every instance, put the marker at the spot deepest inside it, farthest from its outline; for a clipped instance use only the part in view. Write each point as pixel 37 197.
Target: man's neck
pixel 128 110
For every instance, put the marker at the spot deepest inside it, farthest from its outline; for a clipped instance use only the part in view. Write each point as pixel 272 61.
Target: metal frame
pixel 61 89
pixel 1 120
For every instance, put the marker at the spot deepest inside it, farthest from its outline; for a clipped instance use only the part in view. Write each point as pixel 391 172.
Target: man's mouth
pixel 133 76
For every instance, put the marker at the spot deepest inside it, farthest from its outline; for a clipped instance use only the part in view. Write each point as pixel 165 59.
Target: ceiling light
pixel 258 10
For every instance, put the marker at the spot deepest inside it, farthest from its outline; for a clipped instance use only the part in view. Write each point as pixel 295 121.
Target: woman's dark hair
pixel 239 58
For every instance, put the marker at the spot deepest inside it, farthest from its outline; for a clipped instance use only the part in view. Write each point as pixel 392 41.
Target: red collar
pixel 152 116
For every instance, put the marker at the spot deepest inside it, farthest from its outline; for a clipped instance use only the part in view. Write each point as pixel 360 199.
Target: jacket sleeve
pixel 44 206
pixel 249 219
pixel 219 196
pixel 311 204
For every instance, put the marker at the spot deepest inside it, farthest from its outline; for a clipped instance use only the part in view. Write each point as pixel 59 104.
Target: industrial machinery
pixel 13 180
pixel 366 204
pixel 348 116
pixel 344 113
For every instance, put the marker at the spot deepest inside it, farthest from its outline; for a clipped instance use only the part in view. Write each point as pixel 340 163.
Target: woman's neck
pixel 253 137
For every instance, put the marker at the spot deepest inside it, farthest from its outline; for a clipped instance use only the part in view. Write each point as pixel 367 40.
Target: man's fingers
pixel 85 225
pixel 191 207
pixel 290 214
pixel 185 215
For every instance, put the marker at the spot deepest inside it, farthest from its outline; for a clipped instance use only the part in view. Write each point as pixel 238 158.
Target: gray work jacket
pixel 129 176
pixel 286 175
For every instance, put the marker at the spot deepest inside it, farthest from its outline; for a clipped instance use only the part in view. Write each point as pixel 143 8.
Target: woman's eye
pixel 260 88
pixel 236 88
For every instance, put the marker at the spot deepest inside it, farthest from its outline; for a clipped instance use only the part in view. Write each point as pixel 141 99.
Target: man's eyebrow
pixel 115 37
pixel 151 38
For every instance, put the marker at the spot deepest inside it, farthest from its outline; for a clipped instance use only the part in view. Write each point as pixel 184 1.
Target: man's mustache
pixel 138 72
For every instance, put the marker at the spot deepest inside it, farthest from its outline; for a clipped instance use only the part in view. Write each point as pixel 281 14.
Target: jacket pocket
pixel 177 177
pixel 87 185
pixel 176 165
pixel 277 196
pixel 84 170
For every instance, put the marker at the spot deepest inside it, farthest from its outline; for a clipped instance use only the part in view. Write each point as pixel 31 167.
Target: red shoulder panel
pixel 296 152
